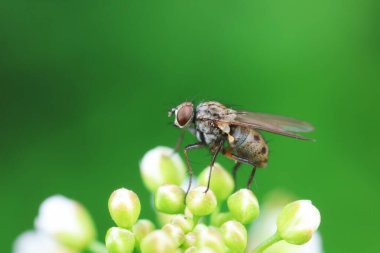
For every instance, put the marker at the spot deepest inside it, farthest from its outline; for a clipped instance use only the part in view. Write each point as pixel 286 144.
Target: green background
pixel 86 85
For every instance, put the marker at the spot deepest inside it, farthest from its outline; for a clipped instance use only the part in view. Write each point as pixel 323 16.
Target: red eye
pixel 184 114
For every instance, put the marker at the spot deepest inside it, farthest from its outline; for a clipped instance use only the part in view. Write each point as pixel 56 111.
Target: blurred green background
pixel 86 85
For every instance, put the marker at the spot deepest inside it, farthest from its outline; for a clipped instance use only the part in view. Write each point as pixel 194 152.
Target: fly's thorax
pixel 249 144
pixel 208 116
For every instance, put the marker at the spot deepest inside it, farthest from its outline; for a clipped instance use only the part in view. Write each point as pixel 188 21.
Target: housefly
pixel 233 133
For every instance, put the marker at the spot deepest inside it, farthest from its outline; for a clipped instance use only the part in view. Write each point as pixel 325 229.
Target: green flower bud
pixel 124 207
pixel 234 235
pixel 190 240
pixel 222 183
pixel 158 242
pixel 119 240
pixel 141 229
pixel 297 222
pixel 67 221
pixel 211 238
pixel 191 249
pixel 220 218
pixel 201 203
pixel 184 222
pixel 162 166
pixel 175 232
pixel 206 250
pixel 170 199
pixel 244 206
pixel 164 218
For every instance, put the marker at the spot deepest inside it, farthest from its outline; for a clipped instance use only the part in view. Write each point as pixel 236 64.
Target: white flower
pixel 38 242
pixel 265 226
pixel 162 166
pixel 67 221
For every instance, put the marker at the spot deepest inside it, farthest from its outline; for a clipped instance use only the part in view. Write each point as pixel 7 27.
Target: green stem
pixel 267 243
pixel 97 247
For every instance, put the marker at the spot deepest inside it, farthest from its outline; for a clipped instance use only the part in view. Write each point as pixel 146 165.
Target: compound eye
pixel 184 114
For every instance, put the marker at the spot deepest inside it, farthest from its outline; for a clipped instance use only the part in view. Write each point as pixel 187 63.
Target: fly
pixel 233 133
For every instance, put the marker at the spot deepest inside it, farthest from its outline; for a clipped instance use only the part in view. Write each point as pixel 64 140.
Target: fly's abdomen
pixel 249 144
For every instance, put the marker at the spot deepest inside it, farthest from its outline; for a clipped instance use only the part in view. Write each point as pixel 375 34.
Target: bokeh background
pixel 85 87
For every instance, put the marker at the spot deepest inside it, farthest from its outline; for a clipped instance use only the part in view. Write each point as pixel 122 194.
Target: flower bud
pixel 184 222
pixel 244 206
pixel 162 166
pixel 170 199
pixel 221 184
pixel 67 221
pixel 124 207
pixel 164 218
pixel 39 242
pixel 190 240
pixel 220 218
pixel 191 249
pixel 211 238
pixel 297 222
pixel 141 229
pixel 175 232
pixel 158 242
pixel 234 235
pixel 120 240
pixel 201 203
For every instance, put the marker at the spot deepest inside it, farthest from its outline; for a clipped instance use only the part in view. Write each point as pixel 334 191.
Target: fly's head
pixel 183 114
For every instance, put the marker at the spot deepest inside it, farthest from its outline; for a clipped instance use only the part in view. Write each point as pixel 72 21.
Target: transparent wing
pixel 281 122
pixel 272 123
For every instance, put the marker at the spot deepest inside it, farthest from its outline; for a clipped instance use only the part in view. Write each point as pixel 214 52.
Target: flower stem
pixel 267 243
pixel 97 247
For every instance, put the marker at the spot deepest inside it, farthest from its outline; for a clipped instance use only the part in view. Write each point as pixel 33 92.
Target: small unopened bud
pixel 191 249
pixel 184 222
pixel 119 240
pixel 244 206
pixel 201 203
pixel 170 199
pixel 221 184
pixel 67 221
pixel 220 218
pixel 141 229
pixel 190 240
pixel 124 207
pixel 161 166
pixel 297 222
pixel 175 232
pixel 234 235
pixel 158 242
pixel 211 238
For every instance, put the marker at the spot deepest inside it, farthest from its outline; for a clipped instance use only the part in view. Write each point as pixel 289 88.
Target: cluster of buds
pixel 214 220
pixel 198 224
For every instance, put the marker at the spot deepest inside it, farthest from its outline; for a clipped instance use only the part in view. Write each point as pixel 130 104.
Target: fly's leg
pixel 179 141
pixel 239 160
pixel 217 150
pixel 251 177
pixel 190 171
pixel 234 170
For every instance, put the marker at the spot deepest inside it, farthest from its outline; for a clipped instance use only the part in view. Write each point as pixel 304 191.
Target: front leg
pixel 180 140
pixel 190 171
pixel 216 152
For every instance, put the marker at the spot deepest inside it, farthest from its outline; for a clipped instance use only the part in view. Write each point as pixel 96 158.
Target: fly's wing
pixel 272 123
